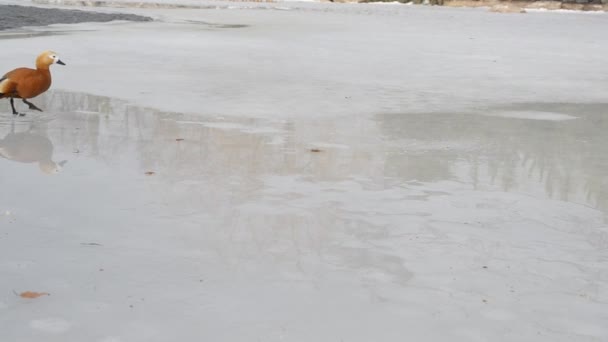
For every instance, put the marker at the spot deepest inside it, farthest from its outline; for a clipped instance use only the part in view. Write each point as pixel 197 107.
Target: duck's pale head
pixel 47 58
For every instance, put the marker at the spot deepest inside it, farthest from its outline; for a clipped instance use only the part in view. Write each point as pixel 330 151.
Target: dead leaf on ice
pixel 150 173
pixel 32 295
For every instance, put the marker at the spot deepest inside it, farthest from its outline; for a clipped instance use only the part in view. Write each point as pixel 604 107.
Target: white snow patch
pixel 533 115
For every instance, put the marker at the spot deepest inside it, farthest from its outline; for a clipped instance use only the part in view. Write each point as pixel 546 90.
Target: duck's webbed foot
pixel 31 105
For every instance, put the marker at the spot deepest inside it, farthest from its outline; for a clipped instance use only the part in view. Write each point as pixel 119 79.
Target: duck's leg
pixel 31 105
pixel 15 112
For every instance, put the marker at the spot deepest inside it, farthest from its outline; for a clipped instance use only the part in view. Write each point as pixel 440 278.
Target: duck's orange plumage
pixel 26 83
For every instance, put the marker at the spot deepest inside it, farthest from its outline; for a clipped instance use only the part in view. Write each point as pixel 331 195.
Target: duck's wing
pixel 6 86
pixel 1 81
pixel 8 82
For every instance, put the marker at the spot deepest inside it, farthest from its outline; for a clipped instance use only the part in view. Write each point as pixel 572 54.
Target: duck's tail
pixel 3 84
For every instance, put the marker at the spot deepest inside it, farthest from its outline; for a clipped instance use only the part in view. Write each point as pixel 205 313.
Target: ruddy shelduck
pixel 26 83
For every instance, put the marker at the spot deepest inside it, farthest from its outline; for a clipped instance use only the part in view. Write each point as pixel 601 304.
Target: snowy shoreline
pixel 495 5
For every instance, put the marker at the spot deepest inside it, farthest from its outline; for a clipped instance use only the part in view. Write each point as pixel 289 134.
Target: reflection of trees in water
pixel 567 158
pixel 243 147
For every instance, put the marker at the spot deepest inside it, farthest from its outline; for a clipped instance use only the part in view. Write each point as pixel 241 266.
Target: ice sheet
pixel 324 173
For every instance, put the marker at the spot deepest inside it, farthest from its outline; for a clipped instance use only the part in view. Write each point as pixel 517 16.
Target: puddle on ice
pixel 548 156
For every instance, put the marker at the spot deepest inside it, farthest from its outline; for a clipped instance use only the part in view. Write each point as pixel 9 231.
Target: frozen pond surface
pixel 356 173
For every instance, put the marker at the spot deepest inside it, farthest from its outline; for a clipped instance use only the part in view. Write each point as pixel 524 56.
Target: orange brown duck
pixel 26 83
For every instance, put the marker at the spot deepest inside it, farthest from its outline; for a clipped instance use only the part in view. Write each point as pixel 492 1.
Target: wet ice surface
pixel 432 226
pixel 323 197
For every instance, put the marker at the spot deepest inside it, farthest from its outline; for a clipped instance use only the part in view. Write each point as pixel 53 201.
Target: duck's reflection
pixel 28 147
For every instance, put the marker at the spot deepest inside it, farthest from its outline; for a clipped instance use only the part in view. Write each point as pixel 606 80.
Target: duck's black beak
pixel 60 62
